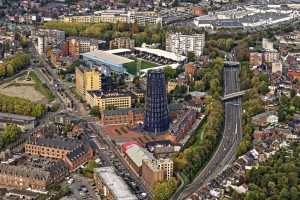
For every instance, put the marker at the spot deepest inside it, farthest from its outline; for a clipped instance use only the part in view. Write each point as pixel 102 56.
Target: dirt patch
pixel 26 91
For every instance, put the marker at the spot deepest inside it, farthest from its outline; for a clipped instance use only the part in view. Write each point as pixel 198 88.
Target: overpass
pixel 234 95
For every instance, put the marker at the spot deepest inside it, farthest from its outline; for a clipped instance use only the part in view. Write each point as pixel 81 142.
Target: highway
pixel 231 137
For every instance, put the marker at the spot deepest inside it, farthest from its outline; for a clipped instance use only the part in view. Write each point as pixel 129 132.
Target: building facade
pixel 70 151
pixel 108 100
pixel 131 117
pixel 156 108
pixel 87 79
pixel 255 59
pixel 24 177
pixel 182 44
pixel 122 43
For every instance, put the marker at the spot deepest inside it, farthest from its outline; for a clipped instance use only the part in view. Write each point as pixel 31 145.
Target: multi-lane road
pixel 231 137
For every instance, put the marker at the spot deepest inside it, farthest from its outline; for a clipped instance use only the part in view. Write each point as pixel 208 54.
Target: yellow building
pixel 87 80
pixel 108 100
pixel 171 85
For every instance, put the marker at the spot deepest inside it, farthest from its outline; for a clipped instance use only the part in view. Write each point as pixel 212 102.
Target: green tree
pixel 191 56
pixel 169 72
pixel 164 190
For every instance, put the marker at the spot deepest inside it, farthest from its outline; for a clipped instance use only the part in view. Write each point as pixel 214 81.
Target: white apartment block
pixel 42 44
pixel 182 44
pixel 115 16
pixel 167 166
pixel 87 45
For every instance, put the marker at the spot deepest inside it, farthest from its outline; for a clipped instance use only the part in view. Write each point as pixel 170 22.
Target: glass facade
pixel 156 109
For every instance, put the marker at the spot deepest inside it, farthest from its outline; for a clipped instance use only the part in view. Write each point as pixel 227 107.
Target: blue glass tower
pixel 156 109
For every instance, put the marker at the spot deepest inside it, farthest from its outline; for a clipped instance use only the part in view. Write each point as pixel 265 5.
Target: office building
pixel 122 43
pixel 182 44
pixel 87 79
pixel 112 186
pixel 156 108
pixel 108 100
pixel 71 151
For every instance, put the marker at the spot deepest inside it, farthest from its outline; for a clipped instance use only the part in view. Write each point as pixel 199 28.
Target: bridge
pixel 234 95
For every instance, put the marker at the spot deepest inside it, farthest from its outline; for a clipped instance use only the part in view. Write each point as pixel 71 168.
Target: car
pixel 70 181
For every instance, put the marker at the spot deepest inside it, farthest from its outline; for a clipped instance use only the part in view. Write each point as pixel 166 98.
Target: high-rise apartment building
pixel 87 79
pixel 182 44
pixel 156 109
pixel 122 43
pixel 154 171
pixel 42 44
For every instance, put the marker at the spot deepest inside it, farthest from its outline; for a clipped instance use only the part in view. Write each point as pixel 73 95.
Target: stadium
pixel 133 61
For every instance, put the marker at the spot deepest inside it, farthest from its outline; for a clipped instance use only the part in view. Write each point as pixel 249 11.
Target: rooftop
pixel 115 184
pixel 162 53
pixel 137 154
pixel 15 117
pixel 107 57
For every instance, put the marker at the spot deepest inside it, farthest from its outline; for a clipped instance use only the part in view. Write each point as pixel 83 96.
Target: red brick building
pixel 71 151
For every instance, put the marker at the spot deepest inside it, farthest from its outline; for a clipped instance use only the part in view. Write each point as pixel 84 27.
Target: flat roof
pixel 15 117
pixel 162 53
pixel 116 51
pixel 107 57
pixel 115 183
pixel 137 154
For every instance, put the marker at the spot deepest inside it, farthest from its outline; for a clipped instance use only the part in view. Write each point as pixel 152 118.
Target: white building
pixel 267 44
pixel 182 44
pixel 167 166
pixel 42 44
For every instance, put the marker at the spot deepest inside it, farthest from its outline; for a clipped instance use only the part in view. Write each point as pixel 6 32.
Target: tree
pixel 191 56
pixel 95 111
pixel 169 72
pixel 10 134
pixel 164 190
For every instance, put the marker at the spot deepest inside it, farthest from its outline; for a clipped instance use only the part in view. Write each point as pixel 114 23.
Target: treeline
pixel 14 64
pixel 9 135
pixel 276 179
pixel 288 106
pixel 251 103
pixel 21 106
pixel 164 190
pixel 203 143
pixel 107 31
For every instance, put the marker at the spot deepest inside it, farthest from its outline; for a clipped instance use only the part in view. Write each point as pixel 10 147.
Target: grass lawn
pixel 132 67
pixel 43 89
